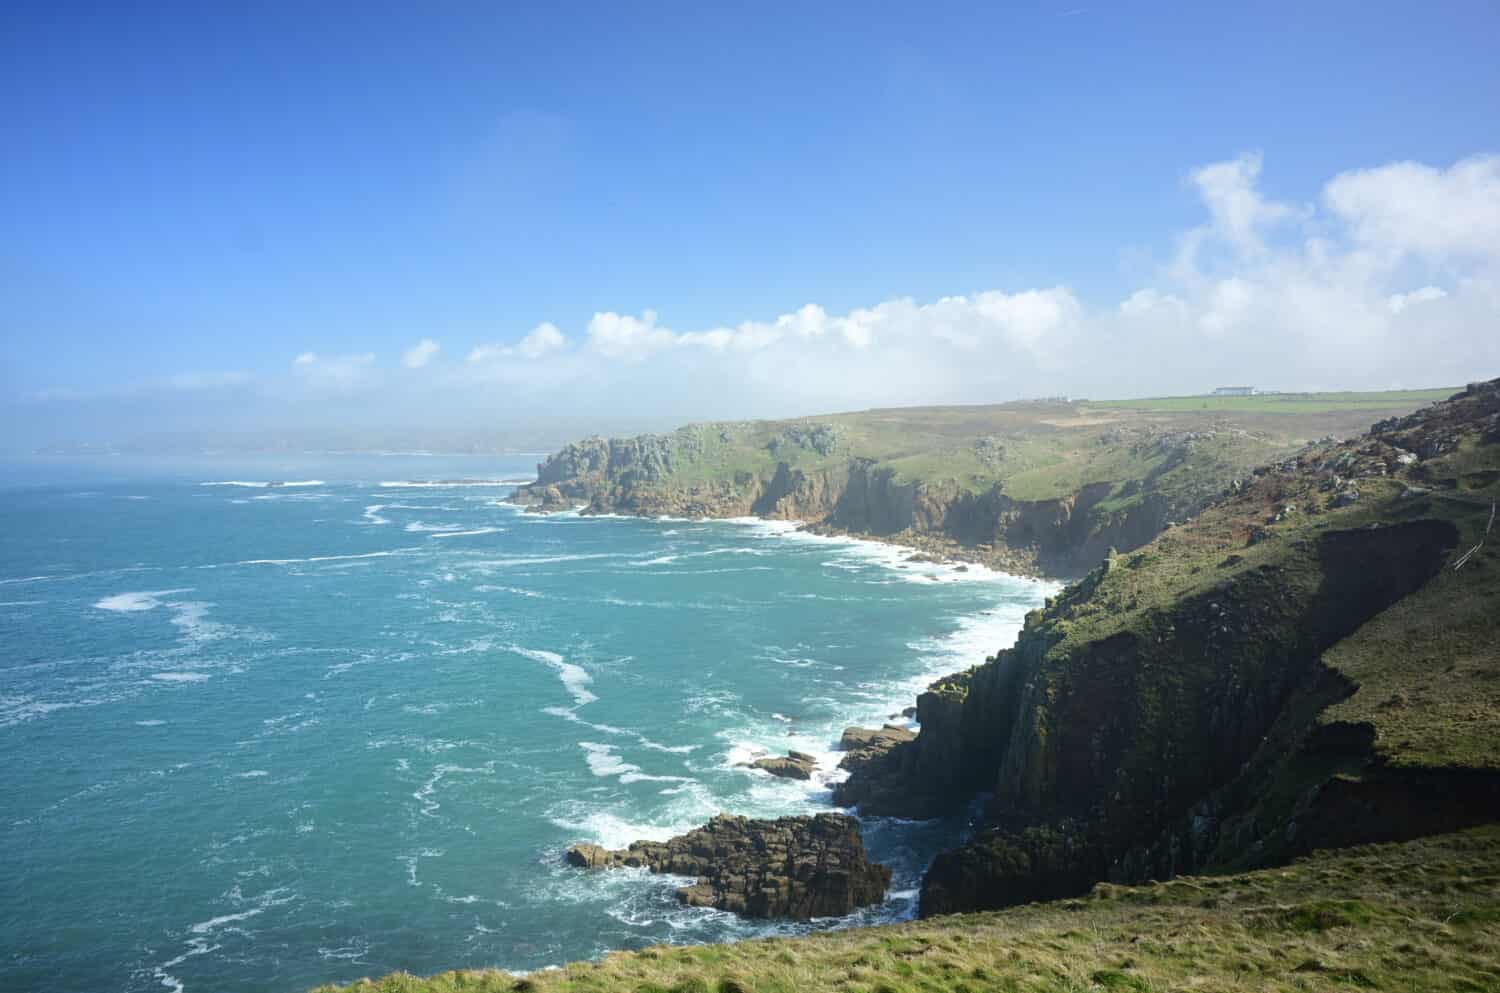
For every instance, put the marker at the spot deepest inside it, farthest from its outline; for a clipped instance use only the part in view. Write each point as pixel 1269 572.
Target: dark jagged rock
pixel 794 765
pixel 797 867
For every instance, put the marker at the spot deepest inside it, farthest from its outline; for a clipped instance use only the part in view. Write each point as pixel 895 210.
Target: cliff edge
pixel 1313 661
pixel 1034 488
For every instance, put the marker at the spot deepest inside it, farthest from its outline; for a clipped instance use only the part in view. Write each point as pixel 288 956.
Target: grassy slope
pixel 1287 403
pixel 1042 451
pixel 1427 668
pixel 1423 915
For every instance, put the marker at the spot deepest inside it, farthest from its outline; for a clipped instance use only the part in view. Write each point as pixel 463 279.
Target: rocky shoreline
pixel 924 548
pixel 1168 712
pixel 1053 539
pixel 792 867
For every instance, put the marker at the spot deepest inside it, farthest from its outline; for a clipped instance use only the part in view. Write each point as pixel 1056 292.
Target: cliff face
pixel 1045 488
pixel 1170 712
pixel 652 476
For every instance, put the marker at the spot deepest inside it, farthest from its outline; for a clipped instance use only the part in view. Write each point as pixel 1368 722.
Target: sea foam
pixel 126 603
pixel 574 677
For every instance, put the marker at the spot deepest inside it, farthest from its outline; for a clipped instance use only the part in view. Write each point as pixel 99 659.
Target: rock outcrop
pixel 793 765
pixel 1166 714
pixel 864 746
pixel 813 472
pixel 797 867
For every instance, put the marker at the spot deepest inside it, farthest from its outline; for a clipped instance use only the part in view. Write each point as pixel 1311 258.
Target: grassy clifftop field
pixel 1044 486
pixel 1418 916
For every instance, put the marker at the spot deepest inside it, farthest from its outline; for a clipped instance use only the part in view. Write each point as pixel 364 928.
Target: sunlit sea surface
pixel 256 738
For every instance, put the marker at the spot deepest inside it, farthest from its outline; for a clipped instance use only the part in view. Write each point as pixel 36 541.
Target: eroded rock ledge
pixel 798 867
pixel 792 765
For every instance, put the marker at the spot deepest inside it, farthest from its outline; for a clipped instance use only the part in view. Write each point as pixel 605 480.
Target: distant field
pixel 1286 403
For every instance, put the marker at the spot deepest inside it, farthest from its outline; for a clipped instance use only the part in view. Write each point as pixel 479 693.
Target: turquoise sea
pixel 256 737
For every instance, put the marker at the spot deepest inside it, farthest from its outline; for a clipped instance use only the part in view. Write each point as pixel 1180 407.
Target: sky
pixel 272 220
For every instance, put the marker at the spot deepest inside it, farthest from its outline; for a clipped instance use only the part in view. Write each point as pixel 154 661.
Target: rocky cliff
pixel 1050 496
pixel 1183 708
pixel 798 867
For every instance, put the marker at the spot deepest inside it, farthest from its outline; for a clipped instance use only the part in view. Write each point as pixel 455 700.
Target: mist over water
pixel 257 737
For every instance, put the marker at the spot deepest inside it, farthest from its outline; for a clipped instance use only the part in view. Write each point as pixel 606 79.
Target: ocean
pixel 260 737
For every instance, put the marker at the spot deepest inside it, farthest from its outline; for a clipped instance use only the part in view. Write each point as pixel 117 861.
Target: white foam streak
pixel 603 762
pixel 444 484
pixel 127 603
pixel 312 558
pixel 645 742
pixel 612 831
pixel 198 944
pixel 527 560
pixel 422 527
pixel 574 677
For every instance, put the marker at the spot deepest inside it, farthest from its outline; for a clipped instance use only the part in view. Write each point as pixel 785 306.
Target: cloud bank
pixel 1389 277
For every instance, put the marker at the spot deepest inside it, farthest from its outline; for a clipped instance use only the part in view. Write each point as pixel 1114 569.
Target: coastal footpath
pixel 1307 666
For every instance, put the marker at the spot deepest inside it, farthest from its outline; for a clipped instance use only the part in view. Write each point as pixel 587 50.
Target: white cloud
pixel 1281 294
pixel 1410 208
pixel 1397 302
pixel 1022 320
pixel 420 354
pixel 1389 277
pixel 1238 211
pixel 1227 305
pixel 334 372
pixel 543 339
pixel 1150 302
pixel 624 336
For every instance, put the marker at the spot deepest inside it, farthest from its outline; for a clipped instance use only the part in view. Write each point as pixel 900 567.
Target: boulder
pixel 590 856
pixel 794 765
pixel 797 867
pixel 1345 497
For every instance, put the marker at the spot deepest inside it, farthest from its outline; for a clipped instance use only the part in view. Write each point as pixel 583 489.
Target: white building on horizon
pixel 1234 391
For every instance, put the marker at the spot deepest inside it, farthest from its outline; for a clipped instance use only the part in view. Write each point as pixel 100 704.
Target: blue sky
pixel 196 195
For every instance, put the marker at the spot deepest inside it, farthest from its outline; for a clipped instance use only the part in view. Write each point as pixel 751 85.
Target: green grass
pixel 1419 916
pixel 1425 670
pixel 1037 451
pixel 1428 668
pixel 1285 403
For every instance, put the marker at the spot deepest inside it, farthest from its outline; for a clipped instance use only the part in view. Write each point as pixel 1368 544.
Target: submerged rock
pixel 798 867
